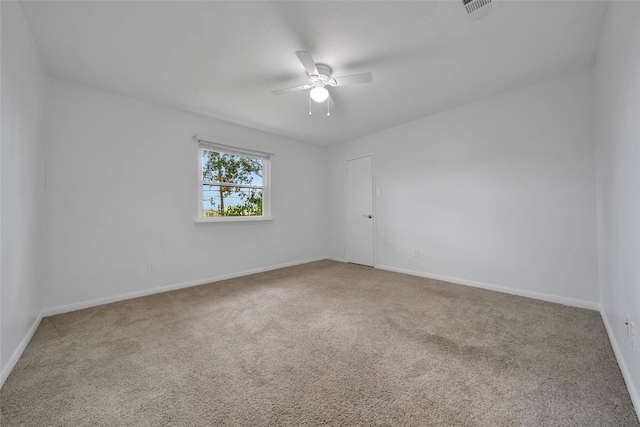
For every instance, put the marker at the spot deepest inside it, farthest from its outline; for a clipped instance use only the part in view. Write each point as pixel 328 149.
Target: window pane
pixel 231 201
pixel 220 167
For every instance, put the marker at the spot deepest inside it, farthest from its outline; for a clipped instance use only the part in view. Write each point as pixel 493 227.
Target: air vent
pixel 477 9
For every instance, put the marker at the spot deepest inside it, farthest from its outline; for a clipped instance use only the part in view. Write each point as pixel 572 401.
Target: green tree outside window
pixel 232 185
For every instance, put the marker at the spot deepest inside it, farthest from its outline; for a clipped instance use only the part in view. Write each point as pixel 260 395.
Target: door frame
pixel 374 207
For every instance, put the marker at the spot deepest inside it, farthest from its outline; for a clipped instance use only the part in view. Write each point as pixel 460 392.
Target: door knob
pixel 367 216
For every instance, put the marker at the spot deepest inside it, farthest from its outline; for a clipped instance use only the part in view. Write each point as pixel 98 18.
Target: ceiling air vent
pixel 477 9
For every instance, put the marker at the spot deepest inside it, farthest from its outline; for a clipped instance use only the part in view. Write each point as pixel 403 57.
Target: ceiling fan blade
pixel 352 79
pixel 308 62
pixel 291 89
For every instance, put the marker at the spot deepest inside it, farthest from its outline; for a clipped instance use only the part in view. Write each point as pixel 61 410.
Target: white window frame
pixel 220 146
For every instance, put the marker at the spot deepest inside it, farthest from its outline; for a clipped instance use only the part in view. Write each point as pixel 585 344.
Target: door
pixel 360 211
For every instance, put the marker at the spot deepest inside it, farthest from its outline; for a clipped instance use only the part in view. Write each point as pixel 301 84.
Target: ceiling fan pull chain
pixel 309 105
pixel 328 106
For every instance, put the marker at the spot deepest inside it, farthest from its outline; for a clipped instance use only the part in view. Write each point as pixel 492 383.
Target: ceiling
pixel 223 59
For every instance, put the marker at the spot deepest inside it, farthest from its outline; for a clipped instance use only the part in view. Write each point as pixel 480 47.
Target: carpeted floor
pixel 324 343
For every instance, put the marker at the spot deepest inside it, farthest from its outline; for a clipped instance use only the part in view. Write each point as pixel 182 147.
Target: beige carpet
pixel 320 344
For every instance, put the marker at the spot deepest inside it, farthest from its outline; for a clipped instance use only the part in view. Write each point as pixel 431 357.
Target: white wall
pixel 498 193
pixel 617 83
pixel 22 184
pixel 122 190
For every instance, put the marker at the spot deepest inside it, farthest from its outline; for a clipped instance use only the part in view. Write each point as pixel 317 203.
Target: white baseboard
pixel 18 353
pixel 633 392
pixel 573 302
pixel 51 311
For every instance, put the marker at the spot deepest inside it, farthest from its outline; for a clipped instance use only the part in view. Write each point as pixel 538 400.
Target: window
pixel 233 183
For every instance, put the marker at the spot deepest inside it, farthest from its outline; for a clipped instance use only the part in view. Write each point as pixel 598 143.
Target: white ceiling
pixel 223 59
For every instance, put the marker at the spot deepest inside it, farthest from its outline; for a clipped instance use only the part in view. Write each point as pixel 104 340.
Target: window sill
pixel 231 220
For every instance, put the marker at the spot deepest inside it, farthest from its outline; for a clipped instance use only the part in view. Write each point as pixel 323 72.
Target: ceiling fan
pixel 319 77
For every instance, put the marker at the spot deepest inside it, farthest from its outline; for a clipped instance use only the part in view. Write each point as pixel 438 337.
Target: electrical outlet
pixel 631 333
pixel 151 266
pixel 416 253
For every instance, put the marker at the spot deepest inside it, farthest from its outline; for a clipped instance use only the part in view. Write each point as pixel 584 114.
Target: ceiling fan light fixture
pixel 319 94
pixel 320 76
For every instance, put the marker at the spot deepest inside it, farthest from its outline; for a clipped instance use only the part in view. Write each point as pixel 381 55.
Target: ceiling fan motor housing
pixel 322 78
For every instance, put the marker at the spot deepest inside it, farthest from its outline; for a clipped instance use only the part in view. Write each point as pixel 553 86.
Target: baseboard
pixel 633 392
pixel 18 353
pixel 573 302
pixel 332 258
pixel 51 311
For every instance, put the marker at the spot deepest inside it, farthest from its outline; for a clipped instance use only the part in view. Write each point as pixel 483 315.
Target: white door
pixel 360 211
